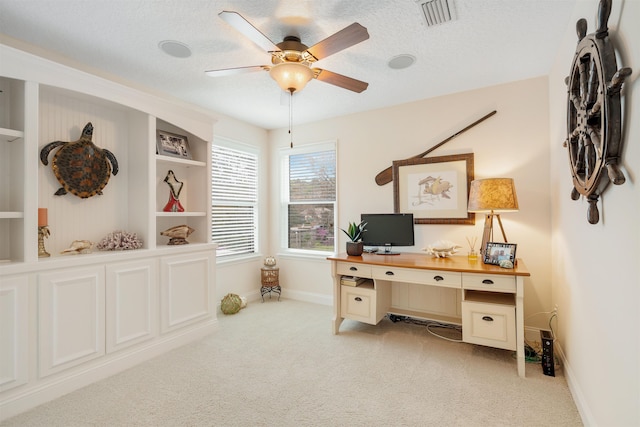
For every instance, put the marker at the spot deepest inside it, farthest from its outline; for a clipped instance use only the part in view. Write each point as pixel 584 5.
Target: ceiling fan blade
pixel 347 37
pixel 252 33
pixel 340 80
pixel 234 71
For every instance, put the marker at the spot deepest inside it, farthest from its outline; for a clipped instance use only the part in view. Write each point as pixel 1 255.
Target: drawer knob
pixel 487 282
pixel 389 273
pixel 487 318
pixel 360 299
pixel 353 269
pixel 438 278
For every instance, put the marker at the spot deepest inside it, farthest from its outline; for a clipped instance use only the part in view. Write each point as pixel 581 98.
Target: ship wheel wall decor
pixel 594 113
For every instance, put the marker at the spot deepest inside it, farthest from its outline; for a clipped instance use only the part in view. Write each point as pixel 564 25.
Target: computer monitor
pixel 388 230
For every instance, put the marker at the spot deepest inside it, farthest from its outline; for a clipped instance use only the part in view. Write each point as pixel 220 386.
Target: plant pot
pixel 355 248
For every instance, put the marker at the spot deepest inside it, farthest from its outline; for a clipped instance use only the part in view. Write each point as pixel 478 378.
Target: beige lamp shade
pixel 291 76
pixel 493 195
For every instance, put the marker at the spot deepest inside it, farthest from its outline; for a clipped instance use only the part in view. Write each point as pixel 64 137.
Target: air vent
pixel 436 11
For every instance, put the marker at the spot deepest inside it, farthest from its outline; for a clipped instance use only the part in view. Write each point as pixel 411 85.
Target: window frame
pixel 285 201
pixel 228 143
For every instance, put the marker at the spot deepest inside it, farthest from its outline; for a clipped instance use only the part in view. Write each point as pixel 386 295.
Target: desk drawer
pixel 489 282
pixel 493 325
pixel 358 303
pixel 354 269
pixel 445 279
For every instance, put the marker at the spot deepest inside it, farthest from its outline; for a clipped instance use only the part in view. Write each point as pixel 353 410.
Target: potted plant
pixel 354 233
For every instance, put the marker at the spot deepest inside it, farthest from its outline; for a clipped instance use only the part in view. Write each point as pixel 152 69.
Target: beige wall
pixel 512 143
pixel 590 271
pixel 595 267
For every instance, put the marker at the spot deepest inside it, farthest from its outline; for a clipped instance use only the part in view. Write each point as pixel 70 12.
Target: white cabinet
pixel 186 282
pixel 131 303
pixel 365 302
pixel 66 320
pixel 489 318
pixel 71 318
pixel 14 331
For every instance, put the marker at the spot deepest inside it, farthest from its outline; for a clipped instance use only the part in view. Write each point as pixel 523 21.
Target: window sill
pixel 314 256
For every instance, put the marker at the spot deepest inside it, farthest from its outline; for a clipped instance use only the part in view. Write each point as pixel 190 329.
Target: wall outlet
pixel 555 309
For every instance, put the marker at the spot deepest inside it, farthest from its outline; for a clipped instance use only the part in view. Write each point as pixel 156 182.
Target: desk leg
pixel 520 326
pixel 337 319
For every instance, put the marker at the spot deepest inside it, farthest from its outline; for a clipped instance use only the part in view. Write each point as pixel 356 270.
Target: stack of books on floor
pixel 353 281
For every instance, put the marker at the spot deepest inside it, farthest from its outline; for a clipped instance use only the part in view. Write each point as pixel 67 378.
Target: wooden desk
pixel 487 300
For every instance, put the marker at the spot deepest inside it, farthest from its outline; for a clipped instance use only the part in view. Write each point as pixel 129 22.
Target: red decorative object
pixel 173 205
pixel 175 187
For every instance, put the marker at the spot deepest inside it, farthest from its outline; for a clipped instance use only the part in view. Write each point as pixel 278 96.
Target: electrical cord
pixel 531 354
pixel 428 324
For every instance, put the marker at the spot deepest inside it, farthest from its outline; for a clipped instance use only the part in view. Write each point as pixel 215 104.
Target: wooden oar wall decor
pixel 386 176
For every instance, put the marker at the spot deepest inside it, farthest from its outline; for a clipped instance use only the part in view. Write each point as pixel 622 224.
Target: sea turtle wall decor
pixel 594 114
pixel 81 167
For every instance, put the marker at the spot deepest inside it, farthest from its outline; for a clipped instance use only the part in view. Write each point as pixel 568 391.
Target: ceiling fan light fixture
pixel 291 76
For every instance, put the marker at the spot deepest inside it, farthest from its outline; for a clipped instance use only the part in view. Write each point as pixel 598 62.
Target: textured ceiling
pixel 490 42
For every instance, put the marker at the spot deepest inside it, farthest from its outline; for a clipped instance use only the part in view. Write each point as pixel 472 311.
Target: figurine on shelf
pixel 442 249
pixel 175 187
pixel 79 247
pixel 178 234
pixel 43 232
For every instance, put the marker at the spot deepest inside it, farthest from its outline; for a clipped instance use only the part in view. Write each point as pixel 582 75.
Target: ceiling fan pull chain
pixel 291 116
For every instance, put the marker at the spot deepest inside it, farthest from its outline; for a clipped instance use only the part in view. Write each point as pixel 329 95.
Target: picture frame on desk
pixel 171 144
pixel 496 252
pixel 434 189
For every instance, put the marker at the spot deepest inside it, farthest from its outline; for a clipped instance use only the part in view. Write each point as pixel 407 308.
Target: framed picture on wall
pixel 496 252
pixel 171 144
pixel 434 189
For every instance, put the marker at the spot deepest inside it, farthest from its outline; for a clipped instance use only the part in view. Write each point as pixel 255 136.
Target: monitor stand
pixel 387 251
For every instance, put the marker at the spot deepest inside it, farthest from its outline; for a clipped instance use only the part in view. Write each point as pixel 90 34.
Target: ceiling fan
pixel 291 60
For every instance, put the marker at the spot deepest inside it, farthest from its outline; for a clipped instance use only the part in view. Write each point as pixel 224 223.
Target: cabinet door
pixel 131 308
pixel 71 322
pixel 186 283
pixel 14 331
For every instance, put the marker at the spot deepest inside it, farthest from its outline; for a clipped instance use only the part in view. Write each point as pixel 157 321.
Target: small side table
pixel 270 279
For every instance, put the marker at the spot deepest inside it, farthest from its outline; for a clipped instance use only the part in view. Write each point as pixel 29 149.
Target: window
pixel 234 195
pixel 310 197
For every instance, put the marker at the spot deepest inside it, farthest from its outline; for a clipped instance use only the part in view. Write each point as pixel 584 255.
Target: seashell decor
pixel 78 247
pixel 442 248
pixel 119 241
pixel 178 234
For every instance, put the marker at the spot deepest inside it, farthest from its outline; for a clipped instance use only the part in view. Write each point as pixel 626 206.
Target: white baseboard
pixel 33 394
pixel 533 334
pixel 308 297
pixel 574 388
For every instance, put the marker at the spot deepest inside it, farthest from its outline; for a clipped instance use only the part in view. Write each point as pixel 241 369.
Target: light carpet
pixel 278 364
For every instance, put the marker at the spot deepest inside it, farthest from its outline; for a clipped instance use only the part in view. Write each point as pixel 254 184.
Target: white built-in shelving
pixel 36 113
pixel 69 319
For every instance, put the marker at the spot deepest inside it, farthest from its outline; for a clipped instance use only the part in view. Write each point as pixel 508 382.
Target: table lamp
pixel 492 196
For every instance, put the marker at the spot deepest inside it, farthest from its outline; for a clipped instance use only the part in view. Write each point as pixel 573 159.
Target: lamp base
pixel 487 235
